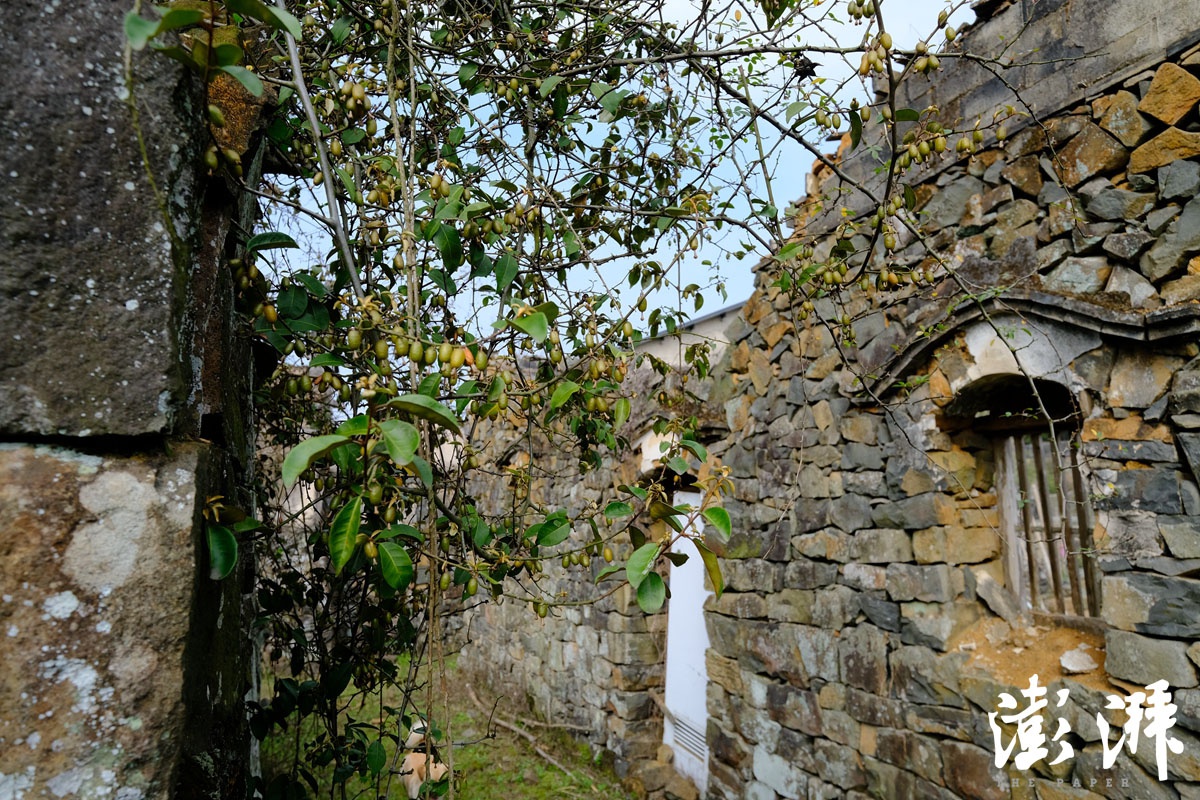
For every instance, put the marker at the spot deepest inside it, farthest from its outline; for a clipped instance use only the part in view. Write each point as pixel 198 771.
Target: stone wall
pixel 125 666
pixel 858 651
pixel 871 620
pixel 597 667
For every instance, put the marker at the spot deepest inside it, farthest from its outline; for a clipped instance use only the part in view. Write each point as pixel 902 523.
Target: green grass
pixel 504 766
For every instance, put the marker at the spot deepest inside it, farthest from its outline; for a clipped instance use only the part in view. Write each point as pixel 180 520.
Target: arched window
pixel 1046 515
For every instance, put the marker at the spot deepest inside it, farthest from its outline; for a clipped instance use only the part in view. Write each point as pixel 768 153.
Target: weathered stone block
pixel 1118 114
pixel 1179 179
pixel 926 583
pixel 862 654
pixel 92 254
pixel 1139 378
pixel 98 593
pixel 1172 94
pixel 1182 535
pixel 779 774
pixel 794 708
pixel 971 771
pixel 1140 291
pixel 835 607
pixel 1152 604
pixel 1170 145
pixel 1079 275
pixel 1091 152
pixel 881 546
pixel 1144 660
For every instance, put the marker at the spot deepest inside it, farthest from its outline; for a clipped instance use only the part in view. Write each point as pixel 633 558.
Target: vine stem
pixel 310 112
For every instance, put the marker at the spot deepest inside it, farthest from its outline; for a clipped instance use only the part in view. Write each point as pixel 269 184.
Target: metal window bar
pixel 1047 522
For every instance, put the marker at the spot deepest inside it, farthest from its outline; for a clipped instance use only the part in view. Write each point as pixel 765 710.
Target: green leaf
pixel 636 491
pixel 609 570
pixel 620 412
pixel 651 593
pixel 343 534
pixel 548 85
pixel 641 563
pixel 506 270
pixel 178 18
pixel 246 78
pixel 269 240
pixel 719 519
pixel 695 448
pixel 303 454
pixel 611 102
pixel 395 564
pixel 907 115
pixel 341 29
pixel 712 566
pixel 222 551
pixel 355 426
pixel 910 198
pixel 139 31
pixel 314 286
pixel 855 129
pixel 426 408
pixel 678 465
pixel 466 72
pixel 535 324
pixel 563 393
pixel 424 471
pixel 399 529
pixel 775 9
pixel 376 757
pixel 449 245
pixel 281 19
pixel 402 439
pixel 617 509
pixel 553 531
pixel 227 54
pixel 327 360
pixel 788 250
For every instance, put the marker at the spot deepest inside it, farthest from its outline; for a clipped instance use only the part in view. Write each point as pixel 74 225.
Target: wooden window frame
pixel 1061 553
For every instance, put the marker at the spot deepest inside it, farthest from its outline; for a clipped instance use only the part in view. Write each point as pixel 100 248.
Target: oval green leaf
pixel 641 563
pixel 222 552
pixel 719 519
pixel 535 325
pixel 343 534
pixel 418 405
pixel 396 565
pixel 617 509
pixel 402 439
pixel 303 454
pixel 652 593
pixel 269 240
pixel 553 531
pixel 562 393
pixel 713 567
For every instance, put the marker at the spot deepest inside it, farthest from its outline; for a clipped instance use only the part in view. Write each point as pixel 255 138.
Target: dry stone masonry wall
pixel 870 629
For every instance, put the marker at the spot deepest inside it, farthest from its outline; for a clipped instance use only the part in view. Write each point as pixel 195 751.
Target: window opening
pixel 1047 521
pixel 1046 515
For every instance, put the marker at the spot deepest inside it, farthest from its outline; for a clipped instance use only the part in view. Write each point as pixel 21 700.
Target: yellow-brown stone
pixel 1172 94
pixel 1170 145
pixel 1130 429
pixel 1118 114
pixel 1091 152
